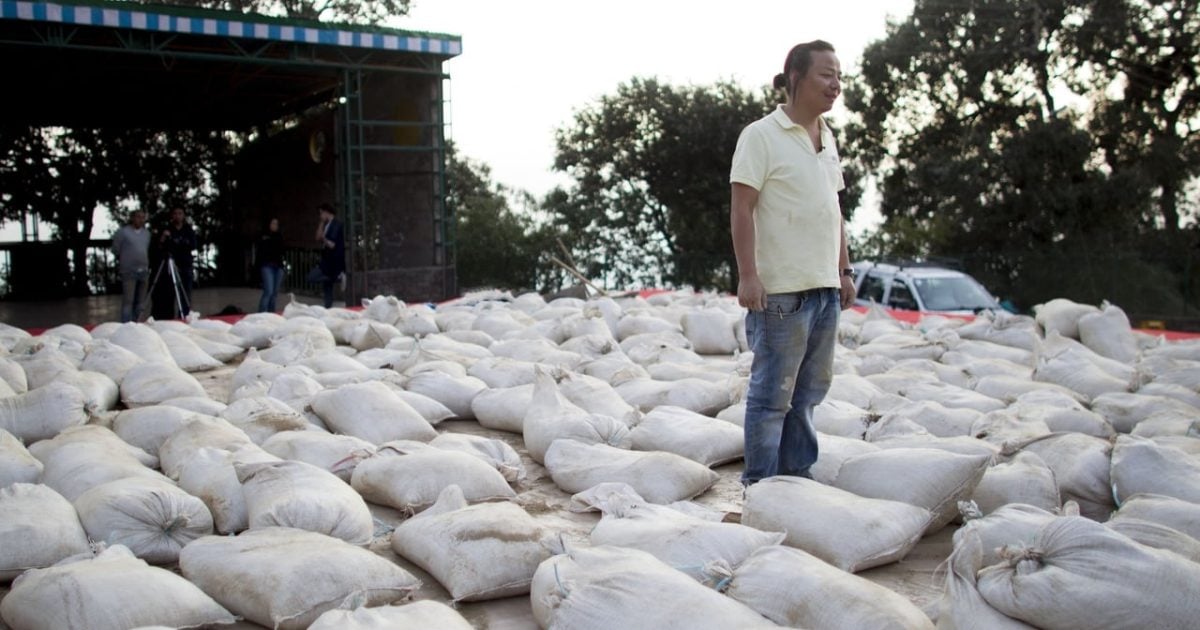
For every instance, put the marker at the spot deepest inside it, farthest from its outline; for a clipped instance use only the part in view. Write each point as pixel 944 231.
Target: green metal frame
pixel 352 177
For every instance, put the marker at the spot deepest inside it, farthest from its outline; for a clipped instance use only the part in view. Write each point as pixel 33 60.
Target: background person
pixel 176 242
pixel 794 271
pixel 131 243
pixel 270 261
pixel 333 252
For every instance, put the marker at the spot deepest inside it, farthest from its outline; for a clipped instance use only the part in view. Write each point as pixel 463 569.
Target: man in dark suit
pixel 333 252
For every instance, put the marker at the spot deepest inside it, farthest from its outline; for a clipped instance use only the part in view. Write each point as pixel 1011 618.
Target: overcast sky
pixel 527 65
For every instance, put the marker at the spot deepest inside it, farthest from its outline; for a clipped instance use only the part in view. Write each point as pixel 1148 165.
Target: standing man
pixel 333 252
pixel 177 242
pixel 794 271
pixel 132 246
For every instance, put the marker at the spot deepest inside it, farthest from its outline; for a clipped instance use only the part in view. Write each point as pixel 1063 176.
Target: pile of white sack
pixel 301 470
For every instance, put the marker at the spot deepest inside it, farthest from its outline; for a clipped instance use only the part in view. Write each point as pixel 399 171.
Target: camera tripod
pixel 181 298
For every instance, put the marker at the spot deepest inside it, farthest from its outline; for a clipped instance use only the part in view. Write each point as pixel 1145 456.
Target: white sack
pixel 338 454
pixel 832 452
pixel 798 590
pixel 1013 525
pixel 153 382
pixel 699 438
pixel 936 418
pixel 1066 579
pixel 656 476
pixel 285 578
pixel 409 476
pixel 113 591
pixel 496 453
pixel 1025 479
pixel 601 588
pixel 551 417
pixel 208 473
pixel 1062 316
pixel 44 412
pixel 850 532
pixel 932 479
pixel 1175 513
pixel 1081 466
pixel 684 542
pixel 1140 466
pixel 302 496
pixel 1109 333
pixel 456 393
pixel 143 341
pixel 187 353
pixel 152 517
pixel 420 614
pixel 17 465
pixel 371 411
pixel 962 607
pixel 38 527
pixel 110 359
pixel 1124 411
pixel 596 396
pixel 477 552
pixel 1158 536
pixel 73 469
pixel 710 331
pixel 262 416
pixel 148 427
pixel 503 409
pixel 210 432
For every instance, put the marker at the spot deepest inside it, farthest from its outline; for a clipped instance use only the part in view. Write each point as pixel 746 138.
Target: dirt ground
pixel 915 577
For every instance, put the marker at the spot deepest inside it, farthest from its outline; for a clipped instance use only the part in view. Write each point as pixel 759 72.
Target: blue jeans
pixel 272 279
pixel 793 341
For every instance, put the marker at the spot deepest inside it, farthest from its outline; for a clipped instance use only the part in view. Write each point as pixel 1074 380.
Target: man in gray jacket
pixel 132 245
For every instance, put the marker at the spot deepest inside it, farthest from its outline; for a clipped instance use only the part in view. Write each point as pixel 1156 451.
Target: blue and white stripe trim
pixel 144 20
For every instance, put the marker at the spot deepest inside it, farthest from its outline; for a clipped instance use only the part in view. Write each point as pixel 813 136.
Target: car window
pixel 958 293
pixel 901 297
pixel 872 288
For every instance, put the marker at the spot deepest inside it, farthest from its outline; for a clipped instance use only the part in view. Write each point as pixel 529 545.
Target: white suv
pixel 920 288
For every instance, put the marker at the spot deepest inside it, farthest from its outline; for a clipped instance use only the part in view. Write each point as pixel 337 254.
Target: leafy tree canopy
pixel 495 246
pixel 350 11
pixel 63 176
pixel 1036 137
pixel 650 199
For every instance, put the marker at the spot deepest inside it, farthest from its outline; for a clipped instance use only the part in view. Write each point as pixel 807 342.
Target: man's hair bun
pixel 780 81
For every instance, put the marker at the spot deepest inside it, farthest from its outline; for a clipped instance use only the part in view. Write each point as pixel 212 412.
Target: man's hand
pixel 751 293
pixel 847 292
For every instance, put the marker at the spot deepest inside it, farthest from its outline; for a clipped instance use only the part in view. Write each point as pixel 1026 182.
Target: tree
pixel 1032 137
pixel 61 177
pixel 495 246
pixel 64 176
pixel 351 11
pixel 650 198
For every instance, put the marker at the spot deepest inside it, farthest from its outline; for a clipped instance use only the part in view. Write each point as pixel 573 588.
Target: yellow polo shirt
pixel 797 222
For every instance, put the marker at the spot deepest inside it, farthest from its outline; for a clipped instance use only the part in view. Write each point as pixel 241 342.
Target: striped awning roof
pixel 228 24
